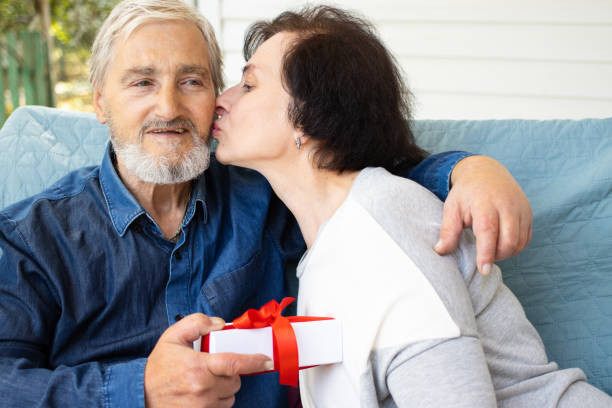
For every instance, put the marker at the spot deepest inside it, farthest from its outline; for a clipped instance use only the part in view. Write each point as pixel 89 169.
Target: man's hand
pixel 178 376
pixel 486 197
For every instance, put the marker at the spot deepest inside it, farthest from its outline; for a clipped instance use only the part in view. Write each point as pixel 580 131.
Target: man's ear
pixel 98 103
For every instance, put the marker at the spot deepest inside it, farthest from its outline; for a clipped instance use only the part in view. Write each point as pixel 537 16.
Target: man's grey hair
pixel 131 14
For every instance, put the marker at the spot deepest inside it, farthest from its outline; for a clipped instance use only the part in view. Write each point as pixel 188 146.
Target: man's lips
pixel 166 131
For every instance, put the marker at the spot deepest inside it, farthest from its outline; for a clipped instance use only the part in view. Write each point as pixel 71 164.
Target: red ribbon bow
pixel 285 343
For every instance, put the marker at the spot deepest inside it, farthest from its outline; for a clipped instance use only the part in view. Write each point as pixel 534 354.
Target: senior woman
pixel 322 113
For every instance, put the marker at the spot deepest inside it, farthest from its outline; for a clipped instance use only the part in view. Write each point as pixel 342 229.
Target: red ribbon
pixel 286 356
pixel 285 343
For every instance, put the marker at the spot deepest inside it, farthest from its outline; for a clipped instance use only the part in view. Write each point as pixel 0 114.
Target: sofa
pixel 563 278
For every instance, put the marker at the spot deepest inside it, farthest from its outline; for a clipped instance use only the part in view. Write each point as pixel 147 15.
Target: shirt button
pixel 178 317
pixel 178 256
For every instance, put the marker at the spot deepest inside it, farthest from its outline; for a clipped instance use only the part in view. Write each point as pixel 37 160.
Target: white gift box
pixel 319 342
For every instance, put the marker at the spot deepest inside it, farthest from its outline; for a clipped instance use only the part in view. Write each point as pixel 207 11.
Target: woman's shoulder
pixel 411 215
pixel 397 203
pixel 377 184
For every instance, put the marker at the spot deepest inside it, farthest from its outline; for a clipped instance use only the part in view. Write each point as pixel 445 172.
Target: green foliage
pixel 75 22
pixel 16 14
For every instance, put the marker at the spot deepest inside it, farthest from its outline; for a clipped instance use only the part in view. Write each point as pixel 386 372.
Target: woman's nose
pixel 225 100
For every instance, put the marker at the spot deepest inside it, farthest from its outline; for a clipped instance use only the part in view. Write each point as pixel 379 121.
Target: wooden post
pixel 40 72
pixel 13 68
pixel 2 88
pixel 27 68
pixel 45 10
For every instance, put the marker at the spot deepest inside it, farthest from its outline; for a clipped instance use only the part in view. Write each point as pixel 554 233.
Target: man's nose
pixel 168 103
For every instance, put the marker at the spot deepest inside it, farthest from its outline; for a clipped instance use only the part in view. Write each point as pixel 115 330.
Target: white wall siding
pixel 473 59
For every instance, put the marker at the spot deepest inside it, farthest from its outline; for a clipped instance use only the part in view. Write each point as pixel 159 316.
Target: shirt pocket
pixel 236 291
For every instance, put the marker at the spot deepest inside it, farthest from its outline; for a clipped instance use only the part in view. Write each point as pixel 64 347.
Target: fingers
pixel 232 364
pixel 486 228
pixel 526 232
pixel 190 328
pixel 450 228
pixel 509 237
pixel 515 233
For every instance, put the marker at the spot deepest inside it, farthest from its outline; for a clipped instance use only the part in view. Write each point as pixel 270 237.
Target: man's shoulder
pixel 66 188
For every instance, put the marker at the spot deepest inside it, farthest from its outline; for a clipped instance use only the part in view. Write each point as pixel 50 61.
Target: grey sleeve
pixel 520 369
pixel 450 373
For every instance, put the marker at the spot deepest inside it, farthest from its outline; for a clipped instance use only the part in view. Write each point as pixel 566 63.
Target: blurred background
pixel 463 59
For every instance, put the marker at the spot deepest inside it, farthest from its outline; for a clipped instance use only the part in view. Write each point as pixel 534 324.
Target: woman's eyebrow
pixel 248 68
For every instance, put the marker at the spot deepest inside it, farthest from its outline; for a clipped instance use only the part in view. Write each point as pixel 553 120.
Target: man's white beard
pixel 160 170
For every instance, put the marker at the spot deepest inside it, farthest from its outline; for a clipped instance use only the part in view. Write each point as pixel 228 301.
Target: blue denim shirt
pixel 88 283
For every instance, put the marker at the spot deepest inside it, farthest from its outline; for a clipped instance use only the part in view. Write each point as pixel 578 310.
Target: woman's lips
pixel 216 129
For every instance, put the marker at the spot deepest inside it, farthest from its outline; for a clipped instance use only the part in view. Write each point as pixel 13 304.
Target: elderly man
pixel 96 270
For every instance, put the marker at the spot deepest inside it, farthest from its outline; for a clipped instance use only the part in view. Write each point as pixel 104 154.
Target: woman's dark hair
pixel 347 91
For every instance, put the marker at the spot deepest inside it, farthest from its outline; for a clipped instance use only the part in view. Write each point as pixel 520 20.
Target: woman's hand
pixel 485 196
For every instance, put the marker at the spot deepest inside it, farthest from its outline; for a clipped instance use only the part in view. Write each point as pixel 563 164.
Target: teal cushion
pixel 564 277
pixel 39 145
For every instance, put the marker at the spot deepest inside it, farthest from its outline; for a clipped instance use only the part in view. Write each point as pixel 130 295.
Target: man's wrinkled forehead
pixel 149 46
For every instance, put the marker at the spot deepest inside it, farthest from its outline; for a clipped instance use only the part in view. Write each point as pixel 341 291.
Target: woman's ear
pixel 300 139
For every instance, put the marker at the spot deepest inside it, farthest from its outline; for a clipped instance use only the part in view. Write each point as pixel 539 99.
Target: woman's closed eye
pixel 247 87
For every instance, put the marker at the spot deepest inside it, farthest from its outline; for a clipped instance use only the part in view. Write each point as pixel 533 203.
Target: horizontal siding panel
pixel 477 58
pixel 232 35
pixel 439 105
pixel 233 67
pixel 519 78
pixel 541 11
pixel 527 41
pixel 535 42
pixel 513 78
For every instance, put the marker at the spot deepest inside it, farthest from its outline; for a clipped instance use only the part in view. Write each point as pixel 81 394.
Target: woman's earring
pixel 298 142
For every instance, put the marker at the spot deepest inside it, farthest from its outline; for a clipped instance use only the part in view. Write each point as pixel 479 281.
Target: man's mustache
pixel 174 123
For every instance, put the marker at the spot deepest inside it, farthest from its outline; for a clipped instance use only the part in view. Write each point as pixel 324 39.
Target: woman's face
pixel 254 130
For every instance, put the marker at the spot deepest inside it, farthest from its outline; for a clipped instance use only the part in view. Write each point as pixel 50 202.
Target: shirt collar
pixel 123 208
pixel 198 195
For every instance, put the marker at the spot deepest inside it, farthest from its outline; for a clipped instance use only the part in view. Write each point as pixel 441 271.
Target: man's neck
pixel 165 203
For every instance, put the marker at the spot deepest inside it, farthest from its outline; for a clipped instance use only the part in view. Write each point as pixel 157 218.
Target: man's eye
pixel 193 82
pixel 143 83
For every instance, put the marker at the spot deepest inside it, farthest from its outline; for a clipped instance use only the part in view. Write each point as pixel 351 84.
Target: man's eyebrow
pixel 137 71
pixel 194 69
pixel 149 71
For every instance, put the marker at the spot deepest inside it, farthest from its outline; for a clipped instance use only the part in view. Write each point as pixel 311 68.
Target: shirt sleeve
pixel 435 171
pixel 124 384
pixel 29 312
pixel 450 373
